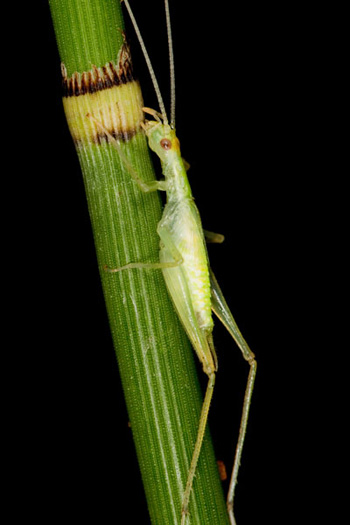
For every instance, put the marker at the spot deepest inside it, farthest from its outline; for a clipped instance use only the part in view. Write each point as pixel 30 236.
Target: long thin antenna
pixel 148 62
pixel 171 64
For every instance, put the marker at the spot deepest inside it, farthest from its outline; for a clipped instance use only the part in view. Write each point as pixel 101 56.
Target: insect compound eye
pixel 166 144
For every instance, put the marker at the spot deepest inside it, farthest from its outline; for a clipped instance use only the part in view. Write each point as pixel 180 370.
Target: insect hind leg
pixel 198 446
pixel 241 437
pixel 223 312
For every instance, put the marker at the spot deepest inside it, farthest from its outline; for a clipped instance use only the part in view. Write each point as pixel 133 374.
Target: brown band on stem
pixel 99 78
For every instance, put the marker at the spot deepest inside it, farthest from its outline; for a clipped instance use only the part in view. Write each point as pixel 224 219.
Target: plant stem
pixel 155 360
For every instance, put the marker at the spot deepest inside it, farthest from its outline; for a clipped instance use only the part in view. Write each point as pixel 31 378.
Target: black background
pixel 247 110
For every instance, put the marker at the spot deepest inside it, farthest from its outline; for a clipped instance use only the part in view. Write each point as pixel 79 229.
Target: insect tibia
pixel 212 351
pixel 198 445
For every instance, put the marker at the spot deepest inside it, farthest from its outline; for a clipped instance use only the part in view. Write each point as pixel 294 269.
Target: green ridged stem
pixel 155 359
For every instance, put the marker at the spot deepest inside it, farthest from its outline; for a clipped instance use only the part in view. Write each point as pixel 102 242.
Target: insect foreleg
pixel 222 311
pixel 146 187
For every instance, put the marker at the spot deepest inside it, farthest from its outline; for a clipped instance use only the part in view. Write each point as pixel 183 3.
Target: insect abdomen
pixel 200 292
pixel 191 245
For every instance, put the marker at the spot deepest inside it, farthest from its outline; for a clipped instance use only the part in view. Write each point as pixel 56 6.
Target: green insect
pixel 185 265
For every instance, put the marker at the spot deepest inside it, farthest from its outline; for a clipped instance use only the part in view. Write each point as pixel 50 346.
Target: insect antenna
pixel 148 62
pixel 171 65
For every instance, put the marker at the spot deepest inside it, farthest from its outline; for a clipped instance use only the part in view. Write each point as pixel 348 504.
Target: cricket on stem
pixel 184 262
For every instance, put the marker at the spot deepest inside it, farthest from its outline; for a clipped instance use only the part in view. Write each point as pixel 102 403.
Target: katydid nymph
pixel 184 263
